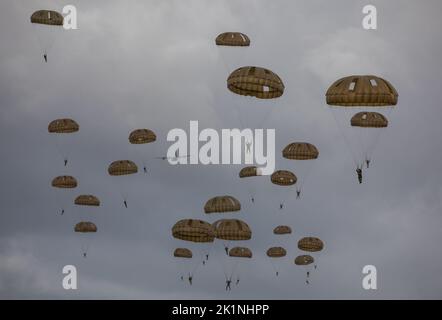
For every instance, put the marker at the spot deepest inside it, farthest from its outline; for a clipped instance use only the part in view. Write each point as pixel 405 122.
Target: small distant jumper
pixel 359 173
pixel 125 203
pixel 298 194
pixel 45 56
pixel 248 147
pixel 228 282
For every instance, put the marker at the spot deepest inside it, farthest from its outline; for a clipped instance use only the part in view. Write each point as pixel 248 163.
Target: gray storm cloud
pixel 154 64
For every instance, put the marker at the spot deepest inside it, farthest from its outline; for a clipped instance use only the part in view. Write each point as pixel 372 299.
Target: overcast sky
pixel 154 64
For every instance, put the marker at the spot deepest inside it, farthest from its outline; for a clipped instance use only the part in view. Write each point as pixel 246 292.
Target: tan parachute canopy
pixel 182 253
pixel 304 260
pixel 369 120
pixel 250 172
pixel 364 90
pixel 234 39
pixel 87 200
pixel 300 151
pixel 282 230
pixel 283 178
pixel 222 204
pixel 240 252
pixel 232 229
pixel 276 252
pixel 256 82
pixel 63 126
pixel 48 17
pixel 193 230
pixel 141 136
pixel 64 182
pixel 310 244
pixel 85 227
pixel 122 167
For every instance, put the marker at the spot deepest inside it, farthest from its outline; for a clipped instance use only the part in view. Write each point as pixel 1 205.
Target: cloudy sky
pixel 153 64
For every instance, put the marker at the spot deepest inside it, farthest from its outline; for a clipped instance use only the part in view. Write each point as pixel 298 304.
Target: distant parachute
pixel 280 230
pixel 193 230
pixel 122 167
pixel 232 229
pixel 182 253
pixel 63 126
pixel 119 169
pixel 46 24
pixel 47 17
pixel 304 260
pixel 310 244
pixel 234 39
pixel 240 252
pixel 302 153
pixel 257 82
pixel 276 252
pixel 87 200
pixel 222 204
pixel 62 129
pixel 283 178
pixel 85 227
pixel 369 120
pixel 251 171
pixel 64 182
pixel 142 136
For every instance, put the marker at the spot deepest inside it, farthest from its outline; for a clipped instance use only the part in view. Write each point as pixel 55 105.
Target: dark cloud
pixel 154 64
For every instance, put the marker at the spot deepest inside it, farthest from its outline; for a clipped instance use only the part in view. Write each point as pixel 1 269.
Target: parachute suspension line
pixel 235 266
pixel 346 140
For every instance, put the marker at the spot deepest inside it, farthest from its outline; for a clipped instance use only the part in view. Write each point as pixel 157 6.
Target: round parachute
pixel 369 120
pixel 182 253
pixel 304 260
pixel 85 227
pixel 64 182
pixel 233 39
pixel 141 136
pixel 300 151
pixel 256 82
pixel 250 172
pixel 122 167
pixel 283 178
pixel 365 90
pixel 276 252
pixel 48 17
pixel 193 230
pixel 87 200
pixel 240 252
pixel 282 230
pixel 232 229
pixel 63 126
pixel 222 204
pixel 310 244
